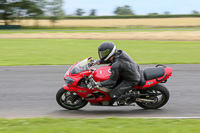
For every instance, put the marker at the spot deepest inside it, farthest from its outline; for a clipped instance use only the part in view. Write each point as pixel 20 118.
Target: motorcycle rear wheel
pixel 69 100
pixel 159 100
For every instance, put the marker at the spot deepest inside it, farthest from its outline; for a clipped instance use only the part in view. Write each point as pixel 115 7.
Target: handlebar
pixel 93 62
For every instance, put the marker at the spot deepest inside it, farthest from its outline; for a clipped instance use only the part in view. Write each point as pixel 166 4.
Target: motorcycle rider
pixel 121 64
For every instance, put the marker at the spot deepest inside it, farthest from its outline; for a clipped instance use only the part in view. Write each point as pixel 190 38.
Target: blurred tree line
pixel 12 10
pixel 80 12
pixel 124 10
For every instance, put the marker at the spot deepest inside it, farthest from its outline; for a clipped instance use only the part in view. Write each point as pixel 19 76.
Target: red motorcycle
pixel 78 91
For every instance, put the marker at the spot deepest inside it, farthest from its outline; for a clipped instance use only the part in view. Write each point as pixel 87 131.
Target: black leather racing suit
pixel 128 70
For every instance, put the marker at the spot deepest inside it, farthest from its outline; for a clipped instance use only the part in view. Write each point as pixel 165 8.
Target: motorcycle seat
pixel 152 73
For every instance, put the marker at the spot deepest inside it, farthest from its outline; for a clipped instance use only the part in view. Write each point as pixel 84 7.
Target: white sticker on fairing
pixel 109 70
pixel 100 71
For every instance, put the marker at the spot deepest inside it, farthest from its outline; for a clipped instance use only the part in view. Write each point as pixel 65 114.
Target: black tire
pixel 64 99
pixel 159 102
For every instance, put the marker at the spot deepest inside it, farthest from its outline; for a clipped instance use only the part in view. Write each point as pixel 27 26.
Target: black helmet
pixel 106 50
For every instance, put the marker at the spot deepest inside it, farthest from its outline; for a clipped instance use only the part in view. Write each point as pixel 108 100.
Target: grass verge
pixel 29 30
pixel 107 125
pixel 69 51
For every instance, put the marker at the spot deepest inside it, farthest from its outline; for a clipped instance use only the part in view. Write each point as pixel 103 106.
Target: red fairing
pixel 85 93
pixel 102 73
pixel 77 77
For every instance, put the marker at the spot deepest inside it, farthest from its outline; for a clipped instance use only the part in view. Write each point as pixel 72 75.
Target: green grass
pixel 69 51
pixel 94 29
pixel 107 125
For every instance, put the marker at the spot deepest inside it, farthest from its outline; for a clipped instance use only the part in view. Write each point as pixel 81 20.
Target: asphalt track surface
pixel 29 91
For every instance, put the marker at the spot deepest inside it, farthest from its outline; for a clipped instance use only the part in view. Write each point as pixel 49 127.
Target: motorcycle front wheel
pixel 159 96
pixel 70 100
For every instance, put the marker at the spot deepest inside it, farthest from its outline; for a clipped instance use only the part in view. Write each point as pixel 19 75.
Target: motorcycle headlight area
pixel 68 80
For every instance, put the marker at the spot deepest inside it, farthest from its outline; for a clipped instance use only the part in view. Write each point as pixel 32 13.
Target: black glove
pixel 94 62
pixel 97 62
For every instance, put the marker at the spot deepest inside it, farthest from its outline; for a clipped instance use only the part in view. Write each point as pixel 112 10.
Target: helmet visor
pixel 104 53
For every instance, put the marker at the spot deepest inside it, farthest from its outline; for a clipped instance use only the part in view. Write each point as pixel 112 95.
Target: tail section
pixel 153 76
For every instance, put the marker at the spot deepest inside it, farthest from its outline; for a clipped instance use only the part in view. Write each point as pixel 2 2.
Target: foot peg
pixel 132 95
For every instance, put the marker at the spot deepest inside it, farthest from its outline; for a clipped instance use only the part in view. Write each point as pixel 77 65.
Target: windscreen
pixel 81 66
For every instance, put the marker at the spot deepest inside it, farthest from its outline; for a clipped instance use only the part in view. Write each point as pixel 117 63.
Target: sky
pixel 139 7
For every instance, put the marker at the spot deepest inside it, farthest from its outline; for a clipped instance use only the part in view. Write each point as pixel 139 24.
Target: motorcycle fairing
pixel 102 74
pixel 89 94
